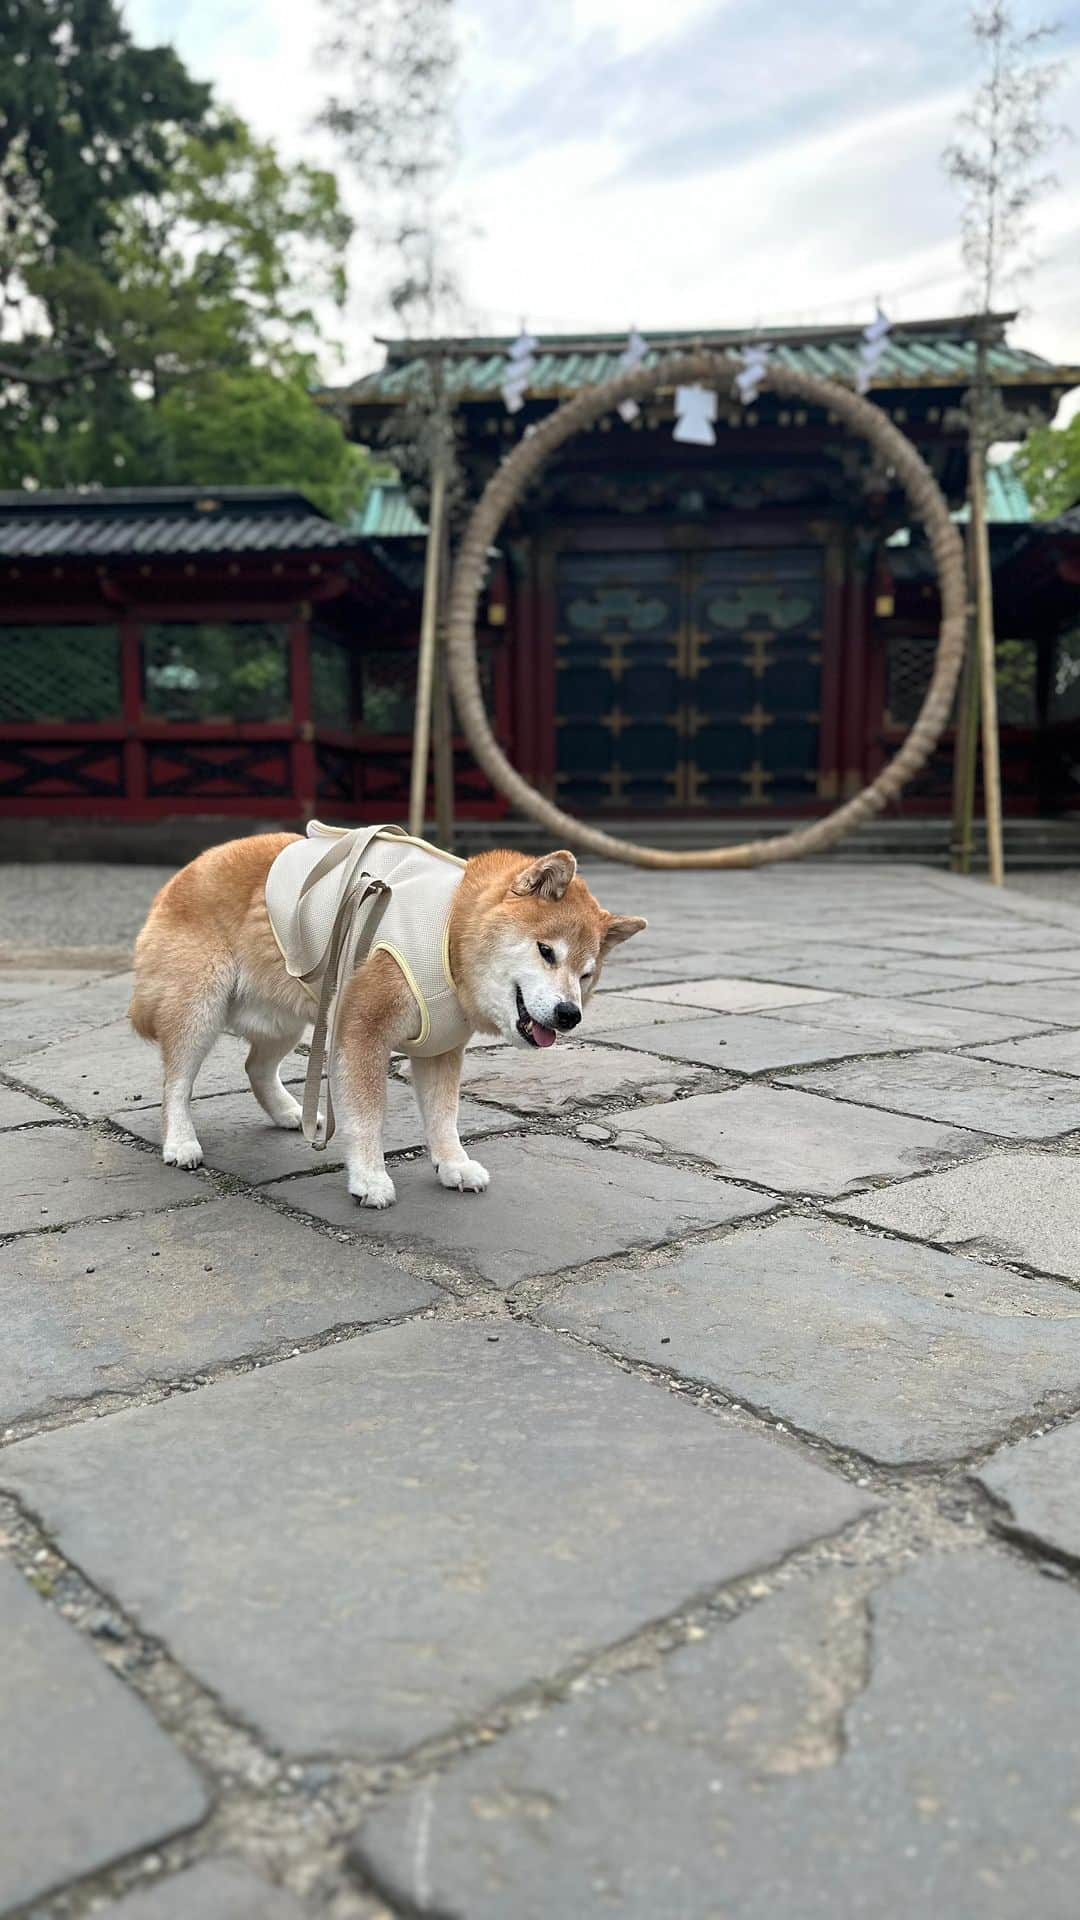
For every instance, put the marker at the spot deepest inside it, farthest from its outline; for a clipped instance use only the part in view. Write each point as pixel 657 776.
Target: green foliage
pixel 184 350
pixel 1049 466
pixel 233 429
pixel 86 121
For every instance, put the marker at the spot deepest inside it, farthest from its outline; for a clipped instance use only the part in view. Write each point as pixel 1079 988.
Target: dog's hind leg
pixel 437 1083
pixel 263 1061
pixel 186 1031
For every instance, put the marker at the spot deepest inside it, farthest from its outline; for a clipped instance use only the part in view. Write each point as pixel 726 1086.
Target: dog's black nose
pixel 567 1015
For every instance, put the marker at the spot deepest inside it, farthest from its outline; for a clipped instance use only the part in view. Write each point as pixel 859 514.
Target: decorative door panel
pixel 754 677
pixel 688 679
pixel 619 683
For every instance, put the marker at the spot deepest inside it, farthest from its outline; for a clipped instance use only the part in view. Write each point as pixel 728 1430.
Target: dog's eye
pixel 546 953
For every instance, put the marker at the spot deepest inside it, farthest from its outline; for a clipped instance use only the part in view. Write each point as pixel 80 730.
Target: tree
pixel 1049 466
pixel 995 162
pixel 203 306
pixel 87 121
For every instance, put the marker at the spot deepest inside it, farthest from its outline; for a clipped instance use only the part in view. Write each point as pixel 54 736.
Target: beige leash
pixel 361 894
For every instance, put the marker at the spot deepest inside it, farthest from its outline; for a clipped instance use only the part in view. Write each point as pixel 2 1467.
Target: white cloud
pixel 797 188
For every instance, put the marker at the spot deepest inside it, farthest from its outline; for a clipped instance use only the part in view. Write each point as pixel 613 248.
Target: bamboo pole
pixel 442 717
pixel 425 665
pixel 984 634
pixel 966 738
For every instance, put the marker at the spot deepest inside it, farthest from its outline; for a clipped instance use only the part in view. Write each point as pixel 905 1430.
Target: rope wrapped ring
pixel 705 367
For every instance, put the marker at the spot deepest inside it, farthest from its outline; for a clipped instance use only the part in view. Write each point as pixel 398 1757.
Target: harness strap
pixel 361 891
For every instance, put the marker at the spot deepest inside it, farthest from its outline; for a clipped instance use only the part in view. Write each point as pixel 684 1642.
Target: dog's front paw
pixel 182 1153
pixel 463 1176
pixel 289 1113
pixel 372 1189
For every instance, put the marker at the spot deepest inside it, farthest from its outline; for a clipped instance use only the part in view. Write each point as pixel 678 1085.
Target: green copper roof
pixel 386 513
pixel 1007 502
pixel 931 353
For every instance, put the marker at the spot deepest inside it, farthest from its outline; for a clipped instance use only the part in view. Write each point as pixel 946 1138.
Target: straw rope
pixel 506 488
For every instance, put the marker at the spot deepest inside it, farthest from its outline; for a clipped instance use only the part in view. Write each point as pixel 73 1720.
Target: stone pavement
pixel 686 1529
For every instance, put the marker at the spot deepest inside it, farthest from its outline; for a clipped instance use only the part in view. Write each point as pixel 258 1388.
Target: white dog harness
pixel 342 894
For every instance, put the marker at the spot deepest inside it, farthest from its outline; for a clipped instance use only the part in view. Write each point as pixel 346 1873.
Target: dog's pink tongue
pixel 544 1036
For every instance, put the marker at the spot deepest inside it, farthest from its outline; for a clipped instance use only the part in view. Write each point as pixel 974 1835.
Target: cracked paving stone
pixel 86 1775
pixel 1050 1003
pixel 610 1011
pixel 121 1304
pixel 96 1076
pixel 213 1890
pixel 1055 1052
pixel 552 1203
pixel 1039 1481
pixel 734 995
pixel 958 1089
pixel 569 1075
pixel 750 1043
pixel 17 1108
pixel 909 1023
pixel 899 1352
pixel 799 1762
pixel 51 1175
pixel 797 1142
pixel 237 1137
pixel 361 1548
pixel 1013 1206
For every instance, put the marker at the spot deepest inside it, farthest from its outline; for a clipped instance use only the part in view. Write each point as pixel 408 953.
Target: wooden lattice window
pixel 331 680
pixel 910 662
pixel 209 670
pixel 63 674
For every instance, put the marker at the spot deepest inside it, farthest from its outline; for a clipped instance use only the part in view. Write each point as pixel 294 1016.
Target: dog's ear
pixel 549 876
pixel 620 927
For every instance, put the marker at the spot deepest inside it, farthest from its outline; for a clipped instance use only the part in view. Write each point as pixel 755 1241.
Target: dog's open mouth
pixel 530 1029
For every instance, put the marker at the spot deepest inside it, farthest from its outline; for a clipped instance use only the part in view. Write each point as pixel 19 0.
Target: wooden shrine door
pixel 689 679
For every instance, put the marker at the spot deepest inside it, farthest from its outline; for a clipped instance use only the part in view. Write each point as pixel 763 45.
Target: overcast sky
pixel 685 163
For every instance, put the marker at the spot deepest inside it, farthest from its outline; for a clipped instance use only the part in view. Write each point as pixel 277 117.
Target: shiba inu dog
pixel 505 945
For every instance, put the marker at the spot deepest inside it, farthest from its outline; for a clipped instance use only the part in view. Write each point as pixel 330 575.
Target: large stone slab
pixel 960 1089
pixel 989 970
pixel 909 1023
pixel 237 1138
pixel 360 1547
pixel 1048 1003
pixel 611 1011
pixel 900 1352
pixel 1014 1206
pixel 804 1762
pixel 1039 1480
pixel 750 1043
pixel 796 1142
pixel 50 1175
pixel 116 1069
pixel 79 1008
pixel 570 1075
pixel 854 973
pixel 213 1890
pixel 122 1303
pixel 85 1773
pixel 16 1108
pixel 552 1203
pixel 734 995
pixel 1051 1052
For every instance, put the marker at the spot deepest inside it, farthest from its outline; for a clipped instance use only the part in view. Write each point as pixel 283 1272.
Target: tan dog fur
pixel 207 963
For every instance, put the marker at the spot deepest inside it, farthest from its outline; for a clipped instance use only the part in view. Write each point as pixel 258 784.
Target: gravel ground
pixel 58 904
pixel 1049 883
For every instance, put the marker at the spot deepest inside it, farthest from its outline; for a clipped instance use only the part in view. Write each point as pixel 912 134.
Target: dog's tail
pixel 142 1017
